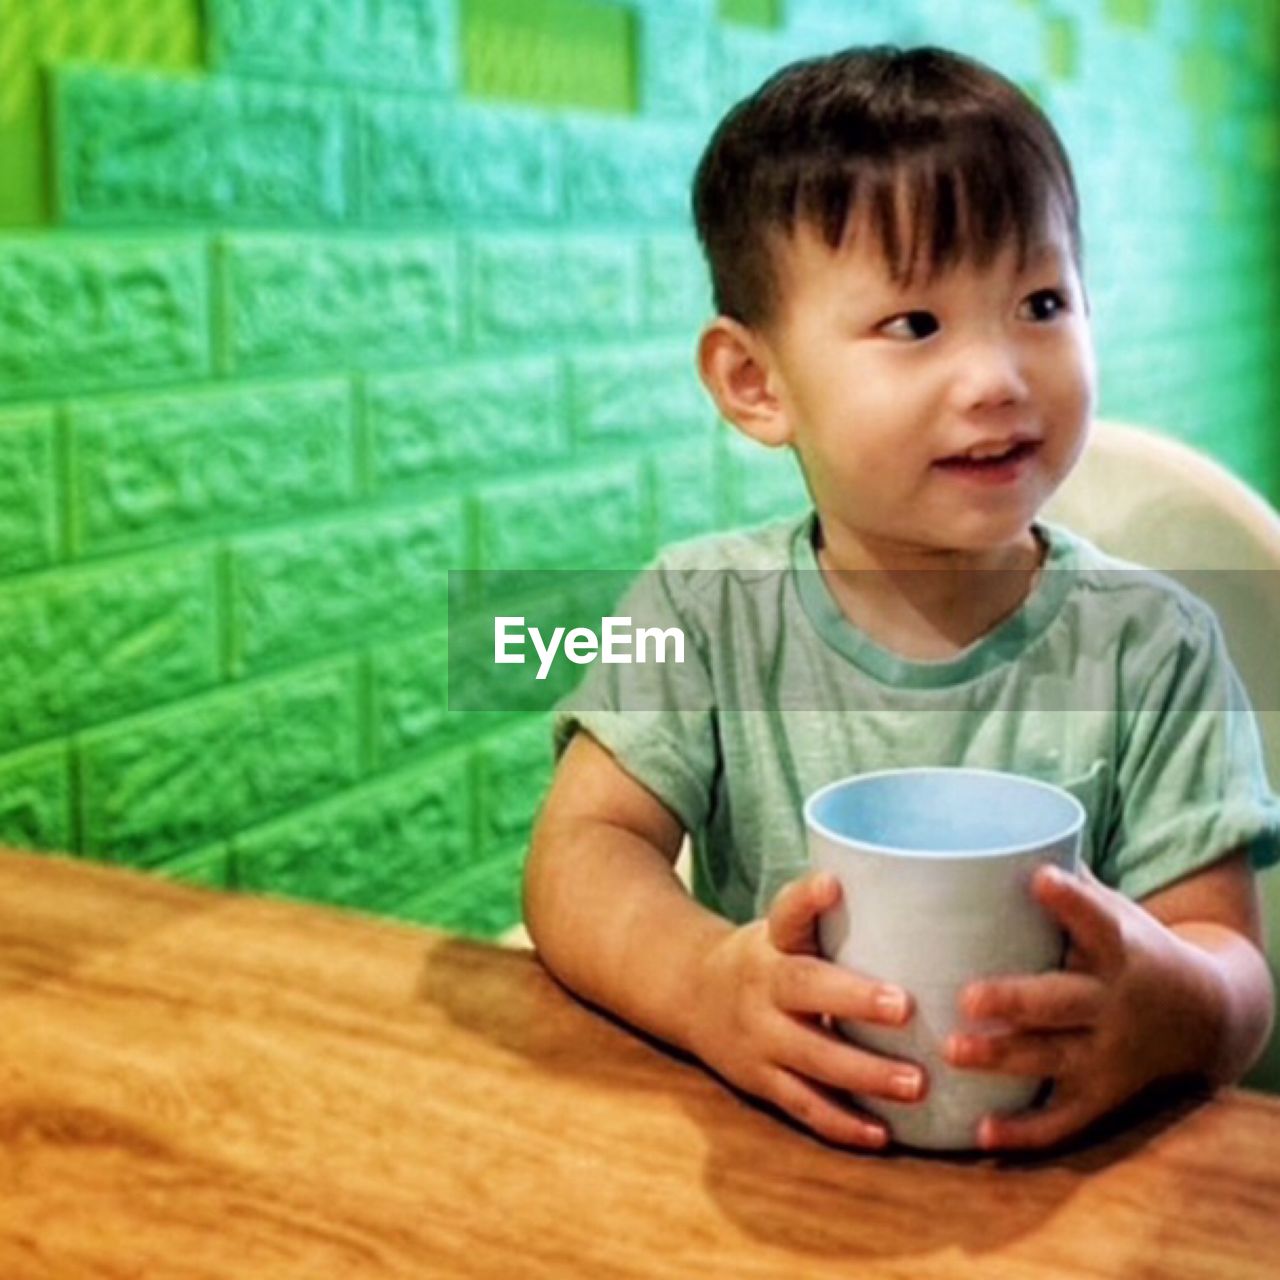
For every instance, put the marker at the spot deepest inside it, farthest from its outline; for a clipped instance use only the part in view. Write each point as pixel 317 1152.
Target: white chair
pixel 1151 499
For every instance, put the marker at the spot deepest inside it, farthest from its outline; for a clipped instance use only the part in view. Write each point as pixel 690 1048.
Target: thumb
pixel 793 917
pixel 1090 914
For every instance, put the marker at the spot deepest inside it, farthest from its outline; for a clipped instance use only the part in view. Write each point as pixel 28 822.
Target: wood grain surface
pixel 198 1084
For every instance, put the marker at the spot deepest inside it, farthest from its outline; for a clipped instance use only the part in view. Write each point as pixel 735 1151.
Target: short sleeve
pixel 1191 780
pixel 655 717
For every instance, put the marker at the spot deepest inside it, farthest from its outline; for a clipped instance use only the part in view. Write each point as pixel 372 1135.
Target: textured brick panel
pixel 311 589
pixel 538 288
pixel 1015 45
pixel 514 773
pixel 675 64
pixel 374 847
pixel 409 42
pixel 77 314
pixel 630 171
pixel 410 699
pixel 128 32
pixel 483 901
pixel 686 491
pixel 28 488
pixel 35 34
pixel 317 303
pixel 742 59
pixel 866 21
pixel 162 783
pixel 758 13
pixel 556 52
pixel 594 519
pixel 209 867
pixel 147 468
pixel 465 417
pixel 89 644
pixel 635 393
pixel 425 161
pixel 35 799
pixel 1135 13
pixel 677 290
pixel 136 148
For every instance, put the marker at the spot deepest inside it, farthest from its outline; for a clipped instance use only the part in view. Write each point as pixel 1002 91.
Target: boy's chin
pixel 985 535
pixel 976 533
pixel 993 524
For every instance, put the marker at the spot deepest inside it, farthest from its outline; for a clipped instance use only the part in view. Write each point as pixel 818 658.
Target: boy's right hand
pixel 762 993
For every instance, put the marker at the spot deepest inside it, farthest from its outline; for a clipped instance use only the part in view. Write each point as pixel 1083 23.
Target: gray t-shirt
pixel 1110 680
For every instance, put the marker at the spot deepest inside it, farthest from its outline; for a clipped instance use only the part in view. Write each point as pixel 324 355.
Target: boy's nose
pixel 989 375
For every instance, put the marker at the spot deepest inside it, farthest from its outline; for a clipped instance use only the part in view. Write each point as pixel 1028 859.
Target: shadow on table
pixel 508 998
pixel 976 1202
pixel 779 1183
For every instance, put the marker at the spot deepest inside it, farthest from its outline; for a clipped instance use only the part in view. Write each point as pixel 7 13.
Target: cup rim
pixel 866 846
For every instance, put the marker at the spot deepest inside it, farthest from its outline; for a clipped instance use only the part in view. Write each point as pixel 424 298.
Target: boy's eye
pixel 1046 304
pixel 911 324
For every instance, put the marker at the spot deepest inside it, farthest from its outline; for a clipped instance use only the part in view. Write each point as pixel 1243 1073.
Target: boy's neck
pixel 926 604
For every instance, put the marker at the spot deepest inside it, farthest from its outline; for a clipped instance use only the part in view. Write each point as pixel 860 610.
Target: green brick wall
pixel 303 302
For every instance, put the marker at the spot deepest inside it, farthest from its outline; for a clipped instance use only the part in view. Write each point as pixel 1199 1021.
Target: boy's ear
pixel 736 368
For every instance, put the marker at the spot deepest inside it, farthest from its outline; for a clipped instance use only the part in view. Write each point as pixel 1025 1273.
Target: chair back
pixel 1163 504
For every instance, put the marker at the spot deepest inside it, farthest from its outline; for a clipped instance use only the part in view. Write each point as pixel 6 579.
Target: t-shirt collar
pixel 1001 645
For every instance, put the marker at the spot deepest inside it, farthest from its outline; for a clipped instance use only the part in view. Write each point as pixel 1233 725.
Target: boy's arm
pixel 602 902
pixel 1217 911
pixel 611 920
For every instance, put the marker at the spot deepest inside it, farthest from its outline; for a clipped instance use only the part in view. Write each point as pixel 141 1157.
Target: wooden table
pixel 196 1084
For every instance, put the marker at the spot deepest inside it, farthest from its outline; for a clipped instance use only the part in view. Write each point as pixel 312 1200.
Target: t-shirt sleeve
pixel 1191 780
pixel 655 717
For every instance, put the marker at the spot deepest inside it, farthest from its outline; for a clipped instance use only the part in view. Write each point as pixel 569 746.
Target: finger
pixel 816 1110
pixel 830 1059
pixel 808 985
pixel 1084 908
pixel 1029 1130
pixel 1050 1055
pixel 794 913
pixel 1046 1001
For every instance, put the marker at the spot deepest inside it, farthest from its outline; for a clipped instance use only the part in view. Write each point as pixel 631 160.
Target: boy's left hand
pixel 1112 1022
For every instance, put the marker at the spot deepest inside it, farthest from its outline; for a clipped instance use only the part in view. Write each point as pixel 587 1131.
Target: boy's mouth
pixel 1003 465
pixel 991 460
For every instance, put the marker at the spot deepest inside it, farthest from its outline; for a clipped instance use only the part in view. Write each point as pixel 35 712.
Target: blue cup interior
pixel 962 812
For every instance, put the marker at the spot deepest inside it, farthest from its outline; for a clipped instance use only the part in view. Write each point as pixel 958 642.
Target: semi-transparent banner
pixel 771 639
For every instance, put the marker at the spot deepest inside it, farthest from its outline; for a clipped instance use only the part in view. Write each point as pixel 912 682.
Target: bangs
pixel 927 156
pixel 964 198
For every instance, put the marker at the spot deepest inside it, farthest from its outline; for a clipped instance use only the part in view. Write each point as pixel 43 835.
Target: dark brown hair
pixel 942 158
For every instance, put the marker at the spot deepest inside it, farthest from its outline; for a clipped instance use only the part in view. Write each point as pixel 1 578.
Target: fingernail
pixel 906 1084
pixel 891 1003
pixel 986 1133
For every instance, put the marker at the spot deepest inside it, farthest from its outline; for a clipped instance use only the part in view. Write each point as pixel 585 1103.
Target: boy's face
pixel 876 386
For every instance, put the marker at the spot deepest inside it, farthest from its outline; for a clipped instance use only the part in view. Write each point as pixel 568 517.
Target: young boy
pixel 894 242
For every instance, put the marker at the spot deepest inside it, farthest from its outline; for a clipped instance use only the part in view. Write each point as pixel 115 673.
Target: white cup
pixel 935 869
